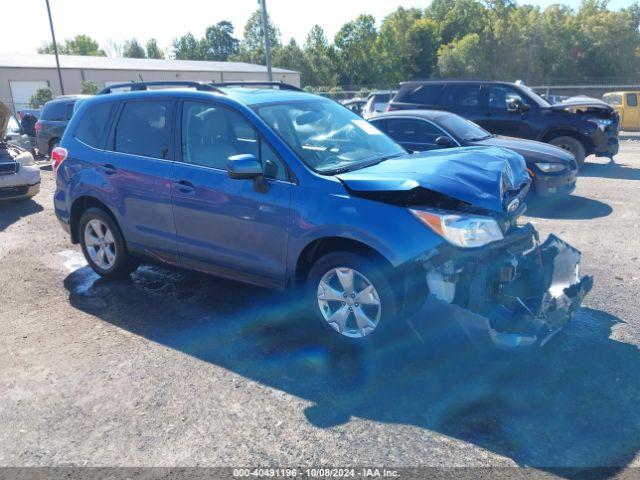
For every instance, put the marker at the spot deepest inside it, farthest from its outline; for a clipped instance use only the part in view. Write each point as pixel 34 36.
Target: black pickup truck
pixel 582 125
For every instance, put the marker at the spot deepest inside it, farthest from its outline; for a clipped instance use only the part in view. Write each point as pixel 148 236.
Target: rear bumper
pixel 22 191
pixel 514 296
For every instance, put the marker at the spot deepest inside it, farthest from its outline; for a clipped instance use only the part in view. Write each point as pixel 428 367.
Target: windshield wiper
pixel 359 166
pixel 477 139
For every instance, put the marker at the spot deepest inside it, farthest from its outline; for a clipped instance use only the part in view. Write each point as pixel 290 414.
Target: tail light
pixel 38 128
pixel 58 155
pixel 391 108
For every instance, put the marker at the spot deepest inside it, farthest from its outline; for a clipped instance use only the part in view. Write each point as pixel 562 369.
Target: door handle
pixel 184 186
pixel 109 169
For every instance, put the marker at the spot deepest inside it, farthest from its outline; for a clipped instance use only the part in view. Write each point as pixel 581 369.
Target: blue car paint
pixel 285 220
pixel 471 174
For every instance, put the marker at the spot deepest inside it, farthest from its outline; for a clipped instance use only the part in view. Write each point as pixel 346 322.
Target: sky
pixel 143 19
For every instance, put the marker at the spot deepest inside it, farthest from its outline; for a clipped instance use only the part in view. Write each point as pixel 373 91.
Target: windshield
pixel 327 136
pixel 535 97
pixel 463 128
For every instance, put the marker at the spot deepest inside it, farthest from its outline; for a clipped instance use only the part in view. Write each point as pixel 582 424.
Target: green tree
pixel 356 52
pixel 292 57
pixel 423 41
pixel 219 42
pixel 320 58
pixel 153 50
pixel 133 49
pixel 393 44
pixel 187 48
pixel 78 45
pixel 462 58
pixel 89 87
pixel 252 44
pixel 42 96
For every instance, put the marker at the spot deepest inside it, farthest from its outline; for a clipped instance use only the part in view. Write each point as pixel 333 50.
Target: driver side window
pixel 500 96
pixel 211 134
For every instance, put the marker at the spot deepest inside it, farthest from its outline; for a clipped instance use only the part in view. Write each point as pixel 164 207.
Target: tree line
pixel 491 39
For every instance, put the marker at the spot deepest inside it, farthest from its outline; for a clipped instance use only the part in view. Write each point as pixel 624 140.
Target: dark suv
pixel 584 126
pixel 55 116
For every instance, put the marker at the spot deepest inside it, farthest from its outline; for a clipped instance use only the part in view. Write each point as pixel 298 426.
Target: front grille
pixel 13 191
pixel 8 168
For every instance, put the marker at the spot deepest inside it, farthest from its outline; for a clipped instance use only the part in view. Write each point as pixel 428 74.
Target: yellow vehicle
pixel 626 104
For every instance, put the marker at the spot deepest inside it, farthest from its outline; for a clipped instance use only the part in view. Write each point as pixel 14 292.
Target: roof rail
pixel 141 86
pixel 258 83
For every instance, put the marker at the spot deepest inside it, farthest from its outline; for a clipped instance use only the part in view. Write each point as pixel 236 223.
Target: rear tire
pixel 351 298
pixel 103 245
pixel 572 145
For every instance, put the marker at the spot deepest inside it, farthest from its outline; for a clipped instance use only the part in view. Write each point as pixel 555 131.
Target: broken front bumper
pixel 514 294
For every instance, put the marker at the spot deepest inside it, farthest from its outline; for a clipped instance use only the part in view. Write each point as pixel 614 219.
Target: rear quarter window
pixel 55 111
pixel 426 94
pixel 632 99
pixel 93 127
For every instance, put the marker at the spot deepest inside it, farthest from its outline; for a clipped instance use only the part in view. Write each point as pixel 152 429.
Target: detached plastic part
pixel 550 288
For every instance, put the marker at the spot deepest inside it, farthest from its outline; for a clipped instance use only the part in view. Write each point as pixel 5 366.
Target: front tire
pixel 351 297
pixel 103 245
pixel 572 145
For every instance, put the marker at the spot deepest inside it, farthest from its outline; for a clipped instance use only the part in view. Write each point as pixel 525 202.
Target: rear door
pixel 224 226
pixel 137 169
pixel 463 99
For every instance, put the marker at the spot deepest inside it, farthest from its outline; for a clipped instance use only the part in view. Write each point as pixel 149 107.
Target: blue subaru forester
pixel 280 188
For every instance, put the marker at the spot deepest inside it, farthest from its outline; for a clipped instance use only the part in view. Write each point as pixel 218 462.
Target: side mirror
pixel 444 141
pixel 243 167
pixel 515 106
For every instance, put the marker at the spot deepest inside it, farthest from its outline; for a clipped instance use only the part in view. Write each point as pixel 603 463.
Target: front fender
pixel 390 230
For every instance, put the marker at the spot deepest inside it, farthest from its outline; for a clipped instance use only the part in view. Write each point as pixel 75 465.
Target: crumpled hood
pixel 480 176
pixel 582 101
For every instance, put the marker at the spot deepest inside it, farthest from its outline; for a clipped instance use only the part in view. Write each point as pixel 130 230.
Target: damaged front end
pixel 516 293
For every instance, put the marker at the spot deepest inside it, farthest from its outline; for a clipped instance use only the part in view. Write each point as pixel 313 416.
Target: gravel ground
pixel 179 369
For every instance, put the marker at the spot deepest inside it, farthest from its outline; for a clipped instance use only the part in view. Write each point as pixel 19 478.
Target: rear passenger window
pixel 68 111
pixel 632 99
pixel 211 134
pixel 144 128
pixel 426 94
pixel 412 131
pixel 55 112
pixel 462 95
pixel 92 129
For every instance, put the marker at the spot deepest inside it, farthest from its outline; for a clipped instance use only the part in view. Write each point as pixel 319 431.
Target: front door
pixel 499 120
pixel 225 226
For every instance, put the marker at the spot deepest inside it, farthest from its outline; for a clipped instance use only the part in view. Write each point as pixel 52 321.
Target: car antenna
pixel 140 75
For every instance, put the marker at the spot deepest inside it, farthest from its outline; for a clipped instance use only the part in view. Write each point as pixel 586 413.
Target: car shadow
pixel 618 171
pixel 13 210
pixel 570 207
pixel 572 403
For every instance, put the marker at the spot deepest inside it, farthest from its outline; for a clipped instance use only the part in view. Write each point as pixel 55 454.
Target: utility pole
pixel 55 48
pixel 265 33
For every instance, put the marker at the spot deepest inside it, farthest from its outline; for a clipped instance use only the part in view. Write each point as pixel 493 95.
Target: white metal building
pixel 21 75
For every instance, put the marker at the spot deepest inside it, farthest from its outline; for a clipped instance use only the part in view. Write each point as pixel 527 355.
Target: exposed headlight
pixel 25 159
pixel 550 167
pixel 602 123
pixel 465 231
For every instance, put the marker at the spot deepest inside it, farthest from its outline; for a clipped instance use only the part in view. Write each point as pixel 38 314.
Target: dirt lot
pixel 178 369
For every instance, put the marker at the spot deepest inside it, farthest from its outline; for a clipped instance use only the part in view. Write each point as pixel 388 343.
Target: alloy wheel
pixel 349 302
pixel 100 244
